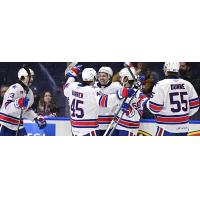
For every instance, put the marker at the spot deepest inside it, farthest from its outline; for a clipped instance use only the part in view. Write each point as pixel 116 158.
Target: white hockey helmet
pixel 171 67
pixel 125 73
pixel 106 70
pixel 89 74
pixel 24 72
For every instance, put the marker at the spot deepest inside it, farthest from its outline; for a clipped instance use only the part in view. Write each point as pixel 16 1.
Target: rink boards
pixel 60 126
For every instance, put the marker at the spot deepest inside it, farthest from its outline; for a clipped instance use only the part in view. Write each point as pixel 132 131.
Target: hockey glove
pixel 41 122
pixel 74 71
pixel 140 81
pixel 126 108
pixel 125 92
pixel 21 102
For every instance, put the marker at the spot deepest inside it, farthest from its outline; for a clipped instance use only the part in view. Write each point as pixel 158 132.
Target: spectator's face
pixel 184 67
pixel 142 69
pixel 3 90
pixel 103 78
pixel 47 97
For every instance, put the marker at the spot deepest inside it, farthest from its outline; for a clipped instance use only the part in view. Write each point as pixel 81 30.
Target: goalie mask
pixel 26 75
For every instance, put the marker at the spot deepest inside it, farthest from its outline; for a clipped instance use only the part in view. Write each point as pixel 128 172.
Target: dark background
pixel 50 76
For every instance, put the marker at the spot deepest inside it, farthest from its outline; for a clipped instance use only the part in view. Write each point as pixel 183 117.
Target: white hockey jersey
pixel 106 114
pixel 9 113
pixel 173 101
pixel 85 103
pixel 131 122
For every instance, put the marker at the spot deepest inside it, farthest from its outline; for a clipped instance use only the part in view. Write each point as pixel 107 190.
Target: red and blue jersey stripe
pixel 194 103
pixel 155 107
pixel 87 123
pixel 159 131
pixel 140 112
pixel 105 119
pixel 128 124
pixel 172 119
pixel 141 101
pixel 10 120
pixel 103 101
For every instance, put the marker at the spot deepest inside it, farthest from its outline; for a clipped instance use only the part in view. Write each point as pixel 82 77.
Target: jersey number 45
pixel 76 109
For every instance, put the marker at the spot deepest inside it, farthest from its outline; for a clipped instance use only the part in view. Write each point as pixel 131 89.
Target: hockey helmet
pixel 106 70
pixel 171 67
pixel 125 73
pixel 23 72
pixel 89 74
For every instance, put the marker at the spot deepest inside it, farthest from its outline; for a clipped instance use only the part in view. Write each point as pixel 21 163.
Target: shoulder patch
pixel 14 86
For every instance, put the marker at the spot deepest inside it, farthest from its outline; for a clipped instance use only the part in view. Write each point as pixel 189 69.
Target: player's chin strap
pixel 21 112
pixel 118 111
pixel 28 72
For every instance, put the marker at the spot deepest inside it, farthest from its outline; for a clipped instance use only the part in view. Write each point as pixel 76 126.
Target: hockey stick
pixel 20 118
pixel 118 111
pixel 22 109
pixel 116 123
pixel 139 88
pixel 113 120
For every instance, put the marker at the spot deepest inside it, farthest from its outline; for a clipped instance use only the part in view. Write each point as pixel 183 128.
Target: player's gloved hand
pixel 140 81
pixel 74 71
pixel 125 92
pixel 126 108
pixel 41 122
pixel 21 102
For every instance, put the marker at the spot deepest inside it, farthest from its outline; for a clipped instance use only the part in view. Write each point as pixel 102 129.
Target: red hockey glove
pixel 74 71
pixel 125 92
pixel 21 102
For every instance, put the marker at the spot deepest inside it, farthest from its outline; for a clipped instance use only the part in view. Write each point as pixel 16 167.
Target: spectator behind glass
pixel 187 74
pixel 3 90
pixel 150 77
pixel 47 105
pixel 36 98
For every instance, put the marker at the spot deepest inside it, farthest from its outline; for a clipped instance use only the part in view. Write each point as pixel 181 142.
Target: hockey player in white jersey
pixel 106 86
pixel 173 101
pixel 85 101
pixel 17 101
pixel 129 117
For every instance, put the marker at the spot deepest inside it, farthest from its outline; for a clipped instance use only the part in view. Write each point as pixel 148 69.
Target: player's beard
pixel 182 72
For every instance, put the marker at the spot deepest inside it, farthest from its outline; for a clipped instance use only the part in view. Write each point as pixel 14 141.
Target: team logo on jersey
pixel 99 93
pixel 21 92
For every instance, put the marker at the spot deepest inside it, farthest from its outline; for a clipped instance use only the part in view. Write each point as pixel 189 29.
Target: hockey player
pixel 128 118
pixel 17 105
pixel 106 86
pixel 85 101
pixel 173 101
